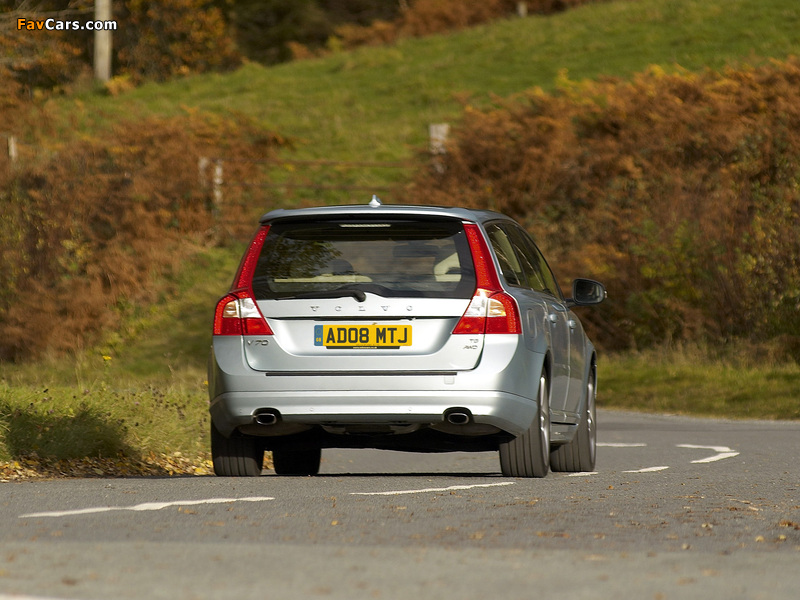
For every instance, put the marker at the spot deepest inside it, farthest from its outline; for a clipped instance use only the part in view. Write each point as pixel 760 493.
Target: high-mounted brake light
pixel 491 310
pixel 237 313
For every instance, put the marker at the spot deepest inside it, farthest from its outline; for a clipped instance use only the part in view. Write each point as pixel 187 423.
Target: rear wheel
pixel 296 462
pixel 580 453
pixel 236 456
pixel 529 454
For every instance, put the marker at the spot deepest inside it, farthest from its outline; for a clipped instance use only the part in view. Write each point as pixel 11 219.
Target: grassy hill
pixel 373 104
pixel 376 103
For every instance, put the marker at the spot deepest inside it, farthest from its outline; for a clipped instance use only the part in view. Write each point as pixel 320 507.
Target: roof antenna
pixel 375 202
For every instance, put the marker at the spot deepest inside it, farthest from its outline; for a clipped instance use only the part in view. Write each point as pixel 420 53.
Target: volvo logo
pixel 315 308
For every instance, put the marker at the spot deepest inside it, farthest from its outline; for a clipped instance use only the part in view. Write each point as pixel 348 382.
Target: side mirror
pixel 586 292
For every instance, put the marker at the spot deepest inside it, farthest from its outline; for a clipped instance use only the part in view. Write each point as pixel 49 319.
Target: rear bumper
pixel 499 393
pixel 507 412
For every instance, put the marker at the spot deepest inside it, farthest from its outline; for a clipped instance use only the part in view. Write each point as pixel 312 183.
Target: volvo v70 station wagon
pixel 413 328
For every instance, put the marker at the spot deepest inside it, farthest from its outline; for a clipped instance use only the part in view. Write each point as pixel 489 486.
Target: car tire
pixel 236 456
pixel 296 462
pixel 529 454
pixel 580 454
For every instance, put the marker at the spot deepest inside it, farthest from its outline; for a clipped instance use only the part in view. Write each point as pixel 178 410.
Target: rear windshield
pixel 389 257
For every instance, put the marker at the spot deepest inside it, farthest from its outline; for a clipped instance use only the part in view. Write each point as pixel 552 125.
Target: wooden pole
pixel 102 41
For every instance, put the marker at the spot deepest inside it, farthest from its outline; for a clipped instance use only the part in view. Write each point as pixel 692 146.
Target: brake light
pixel 237 313
pixel 244 275
pixel 491 310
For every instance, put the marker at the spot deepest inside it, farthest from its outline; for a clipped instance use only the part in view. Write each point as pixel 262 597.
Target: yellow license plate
pixel 362 336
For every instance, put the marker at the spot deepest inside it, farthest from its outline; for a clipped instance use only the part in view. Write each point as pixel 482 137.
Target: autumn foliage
pixel 155 40
pixel 678 190
pixel 165 38
pixel 428 17
pixel 94 227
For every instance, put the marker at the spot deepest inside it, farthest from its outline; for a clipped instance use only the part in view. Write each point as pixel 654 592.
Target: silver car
pixel 414 328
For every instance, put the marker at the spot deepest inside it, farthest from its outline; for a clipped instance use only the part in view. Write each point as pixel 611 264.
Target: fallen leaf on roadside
pixel 35 467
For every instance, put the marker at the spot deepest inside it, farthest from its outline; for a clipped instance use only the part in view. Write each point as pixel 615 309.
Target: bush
pixel 427 17
pixel 32 60
pixel 266 30
pixel 164 38
pixel 678 190
pixel 155 40
pixel 94 228
pixel 435 16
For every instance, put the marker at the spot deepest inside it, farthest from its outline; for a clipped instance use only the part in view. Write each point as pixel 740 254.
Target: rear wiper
pixel 341 293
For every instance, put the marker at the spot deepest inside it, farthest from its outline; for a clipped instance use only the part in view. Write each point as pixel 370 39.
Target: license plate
pixel 362 336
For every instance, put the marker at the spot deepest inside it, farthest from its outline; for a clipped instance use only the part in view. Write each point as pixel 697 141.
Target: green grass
pixel 692 383
pixel 103 420
pixel 375 104
pixel 141 392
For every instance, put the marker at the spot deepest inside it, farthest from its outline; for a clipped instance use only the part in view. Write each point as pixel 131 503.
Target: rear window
pixel 389 257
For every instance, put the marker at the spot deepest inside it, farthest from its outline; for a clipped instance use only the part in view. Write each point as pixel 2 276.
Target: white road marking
pixel 584 474
pixel 647 470
pixel 620 445
pixel 429 490
pixel 144 507
pixel 722 452
pixel 16 597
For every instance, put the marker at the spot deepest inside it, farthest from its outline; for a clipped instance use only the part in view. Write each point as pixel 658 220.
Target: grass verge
pixel 103 428
pixel 135 405
pixel 111 423
pixel 689 382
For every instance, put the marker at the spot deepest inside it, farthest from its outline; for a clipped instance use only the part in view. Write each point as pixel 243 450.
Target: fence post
pixel 437 134
pixel 12 149
pixel 522 9
pixel 214 204
pixel 217 185
pixel 216 181
pixel 202 165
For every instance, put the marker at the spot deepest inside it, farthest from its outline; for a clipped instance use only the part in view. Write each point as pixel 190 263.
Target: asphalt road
pixel 678 508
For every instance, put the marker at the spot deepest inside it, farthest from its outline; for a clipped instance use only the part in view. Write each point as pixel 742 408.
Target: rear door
pixel 364 294
pixel 512 266
pixel 559 320
pixel 546 306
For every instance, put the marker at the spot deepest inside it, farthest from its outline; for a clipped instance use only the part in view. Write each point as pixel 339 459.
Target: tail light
pixel 491 310
pixel 237 313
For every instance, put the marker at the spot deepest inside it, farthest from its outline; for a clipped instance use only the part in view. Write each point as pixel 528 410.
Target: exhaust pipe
pixel 266 418
pixel 458 417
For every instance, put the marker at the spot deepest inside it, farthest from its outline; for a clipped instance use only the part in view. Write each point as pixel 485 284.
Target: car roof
pixel 376 208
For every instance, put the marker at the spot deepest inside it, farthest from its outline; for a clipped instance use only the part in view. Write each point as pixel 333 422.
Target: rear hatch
pixel 357 293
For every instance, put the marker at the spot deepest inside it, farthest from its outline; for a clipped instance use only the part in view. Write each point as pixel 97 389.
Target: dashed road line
pixel 143 507
pixel 647 470
pixel 620 445
pixel 722 452
pixel 429 490
pixel 16 597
